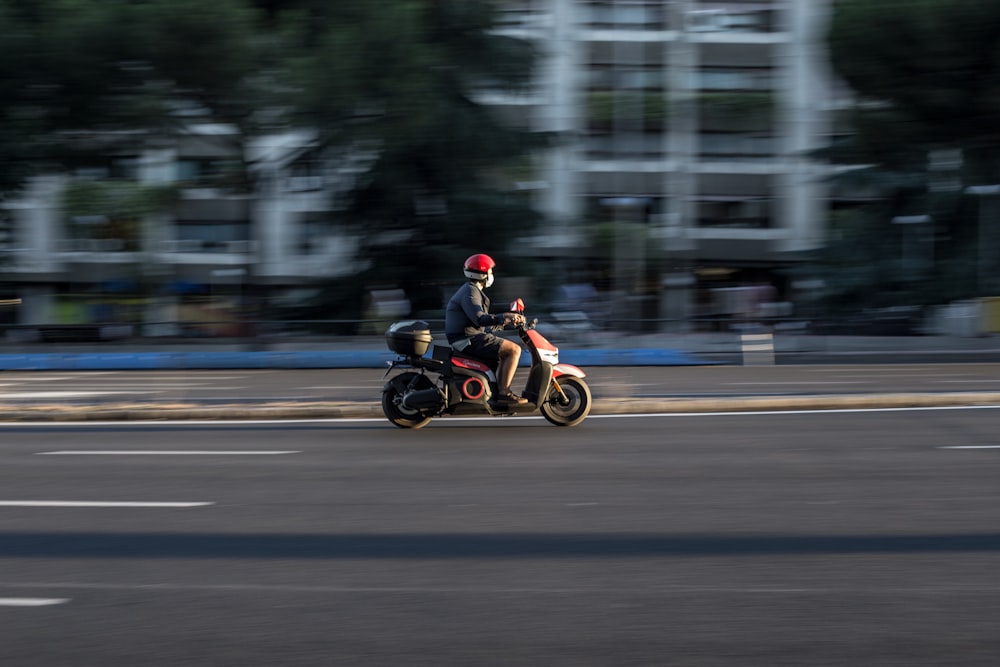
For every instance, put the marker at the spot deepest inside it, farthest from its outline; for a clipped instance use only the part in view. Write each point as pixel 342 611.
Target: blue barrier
pixel 303 359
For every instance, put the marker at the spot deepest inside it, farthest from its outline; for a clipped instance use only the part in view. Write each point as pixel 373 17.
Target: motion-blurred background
pixel 181 168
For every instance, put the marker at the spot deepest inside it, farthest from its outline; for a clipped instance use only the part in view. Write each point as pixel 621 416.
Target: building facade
pixel 684 132
pixel 694 121
pixel 246 220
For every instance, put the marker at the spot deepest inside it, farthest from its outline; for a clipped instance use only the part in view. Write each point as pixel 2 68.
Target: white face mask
pixel 489 278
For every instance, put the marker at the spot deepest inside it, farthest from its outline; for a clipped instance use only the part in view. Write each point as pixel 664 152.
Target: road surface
pixel 863 537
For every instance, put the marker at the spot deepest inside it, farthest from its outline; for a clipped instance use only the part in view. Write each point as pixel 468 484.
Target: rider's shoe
pixel 511 398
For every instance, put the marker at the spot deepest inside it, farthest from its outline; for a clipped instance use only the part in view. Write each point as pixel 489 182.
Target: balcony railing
pixel 242 247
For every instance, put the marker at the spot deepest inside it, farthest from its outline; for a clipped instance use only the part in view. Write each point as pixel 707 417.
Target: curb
pixel 372 409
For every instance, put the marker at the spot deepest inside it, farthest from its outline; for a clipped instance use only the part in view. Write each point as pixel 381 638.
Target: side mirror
pixel 517 305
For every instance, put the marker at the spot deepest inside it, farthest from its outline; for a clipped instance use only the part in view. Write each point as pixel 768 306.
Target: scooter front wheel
pixel 569 407
pixel 392 401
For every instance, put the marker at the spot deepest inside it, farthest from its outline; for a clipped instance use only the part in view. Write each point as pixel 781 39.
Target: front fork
pixel 562 398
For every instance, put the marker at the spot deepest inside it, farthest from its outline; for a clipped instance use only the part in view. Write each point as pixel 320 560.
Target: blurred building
pixel 247 220
pixel 684 130
pixel 693 120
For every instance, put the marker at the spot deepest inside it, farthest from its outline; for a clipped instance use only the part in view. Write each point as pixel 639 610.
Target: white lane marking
pixel 206 387
pixel 174 377
pixel 165 452
pixel 918 370
pixel 68 394
pixel 95 503
pixel 966 381
pixel 451 420
pixel 171 376
pixel 791 411
pixel 972 447
pixel 345 386
pixel 31 602
pixel 163 385
pixel 479 590
pixel 130 376
pixel 796 382
pixel 18 377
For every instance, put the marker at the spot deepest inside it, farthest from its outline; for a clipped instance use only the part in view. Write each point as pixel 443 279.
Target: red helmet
pixel 478 267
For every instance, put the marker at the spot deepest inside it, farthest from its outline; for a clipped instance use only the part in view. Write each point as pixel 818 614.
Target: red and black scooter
pixel 451 383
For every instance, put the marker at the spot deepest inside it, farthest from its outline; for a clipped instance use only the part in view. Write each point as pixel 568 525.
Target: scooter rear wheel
pixel 572 409
pixel 392 406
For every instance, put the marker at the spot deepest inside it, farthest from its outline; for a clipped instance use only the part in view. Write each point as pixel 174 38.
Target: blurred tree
pixel 404 76
pixel 927 74
pixel 70 71
pixel 934 61
pixel 399 79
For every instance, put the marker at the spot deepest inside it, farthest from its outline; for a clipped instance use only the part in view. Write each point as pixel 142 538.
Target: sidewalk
pixel 370 352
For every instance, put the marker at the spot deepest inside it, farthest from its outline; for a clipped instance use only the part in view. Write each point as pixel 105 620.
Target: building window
pixel 122 167
pixel 311 233
pixel 625 15
pixel 736 144
pixel 732 17
pixel 212 173
pixel 209 236
pixel 719 78
pixel 734 211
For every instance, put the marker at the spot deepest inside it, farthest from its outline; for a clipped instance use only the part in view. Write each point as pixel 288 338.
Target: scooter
pixel 451 383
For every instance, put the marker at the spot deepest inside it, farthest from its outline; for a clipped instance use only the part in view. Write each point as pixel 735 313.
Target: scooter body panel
pixel 538 382
pixel 467 387
pixel 567 369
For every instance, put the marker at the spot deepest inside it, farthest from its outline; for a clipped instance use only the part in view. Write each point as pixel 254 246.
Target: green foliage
pixel 113 209
pixel 934 61
pixel 83 71
pixel 732 105
pixel 606 237
pixel 645 110
pixel 402 76
pixel 75 67
pixel 116 199
pixel 928 76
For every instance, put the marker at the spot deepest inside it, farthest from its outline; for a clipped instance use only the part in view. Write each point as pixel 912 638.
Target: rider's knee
pixel 509 350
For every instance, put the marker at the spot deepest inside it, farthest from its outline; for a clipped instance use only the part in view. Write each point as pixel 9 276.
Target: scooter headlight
pixel 551 356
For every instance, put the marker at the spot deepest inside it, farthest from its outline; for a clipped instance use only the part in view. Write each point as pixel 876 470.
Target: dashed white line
pixel 35 377
pixel 994 381
pixel 67 394
pixel 324 589
pixel 31 602
pixel 96 503
pixel 972 447
pixel 345 386
pixel 799 382
pixel 165 452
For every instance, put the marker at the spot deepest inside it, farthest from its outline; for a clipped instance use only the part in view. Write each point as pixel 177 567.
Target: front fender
pixel 567 369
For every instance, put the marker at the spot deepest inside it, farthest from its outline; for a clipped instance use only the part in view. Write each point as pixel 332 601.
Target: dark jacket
pixel 468 313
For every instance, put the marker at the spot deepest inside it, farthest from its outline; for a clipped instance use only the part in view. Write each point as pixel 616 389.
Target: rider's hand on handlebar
pixel 515 319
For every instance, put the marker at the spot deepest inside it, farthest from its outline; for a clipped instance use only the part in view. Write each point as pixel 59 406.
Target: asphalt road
pixel 830 538
pixel 258 386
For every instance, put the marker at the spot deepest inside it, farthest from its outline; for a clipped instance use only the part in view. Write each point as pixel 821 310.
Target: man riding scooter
pixel 469 326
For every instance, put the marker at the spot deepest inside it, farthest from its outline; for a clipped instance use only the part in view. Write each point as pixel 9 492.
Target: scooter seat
pixel 442 353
